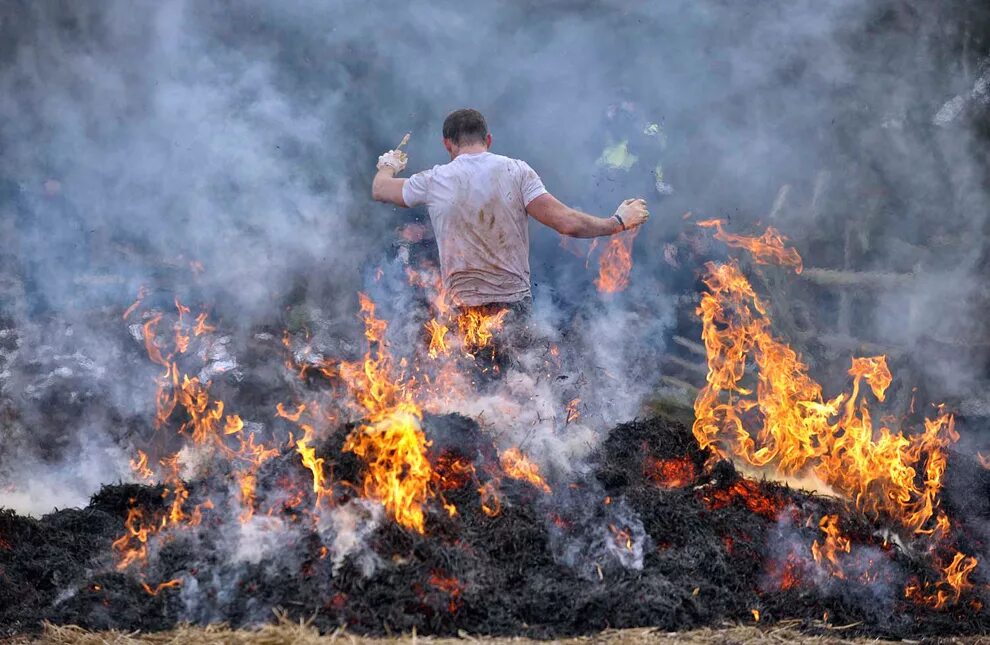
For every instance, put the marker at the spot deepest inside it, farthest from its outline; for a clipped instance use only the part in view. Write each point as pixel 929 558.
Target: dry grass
pixel 286 631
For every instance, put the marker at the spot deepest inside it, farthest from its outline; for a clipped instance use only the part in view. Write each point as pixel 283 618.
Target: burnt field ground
pixel 713 548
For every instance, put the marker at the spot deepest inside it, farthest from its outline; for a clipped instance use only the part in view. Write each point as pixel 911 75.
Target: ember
pixel 747 493
pixel 669 473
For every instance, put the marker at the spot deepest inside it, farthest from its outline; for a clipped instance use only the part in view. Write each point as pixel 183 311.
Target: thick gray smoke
pixel 223 152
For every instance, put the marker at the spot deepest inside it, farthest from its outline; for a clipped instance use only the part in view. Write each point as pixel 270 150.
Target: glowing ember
pixel 747 493
pixel 491 503
pixel 669 473
pixel 451 586
pixel 518 466
pixel 572 411
pixel 623 538
pixel 615 263
pixel 450 473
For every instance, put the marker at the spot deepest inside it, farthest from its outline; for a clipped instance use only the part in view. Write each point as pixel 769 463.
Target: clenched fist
pixel 394 159
pixel 631 213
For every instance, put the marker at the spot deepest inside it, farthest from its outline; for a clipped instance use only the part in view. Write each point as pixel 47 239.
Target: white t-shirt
pixel 477 204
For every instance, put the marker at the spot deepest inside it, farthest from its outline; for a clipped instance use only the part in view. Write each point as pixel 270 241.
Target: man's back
pixel 477 204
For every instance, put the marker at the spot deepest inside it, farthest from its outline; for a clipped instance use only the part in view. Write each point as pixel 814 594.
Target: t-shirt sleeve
pixel 416 190
pixel 531 184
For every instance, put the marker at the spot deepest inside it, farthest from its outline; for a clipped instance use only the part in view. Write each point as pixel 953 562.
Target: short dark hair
pixel 465 126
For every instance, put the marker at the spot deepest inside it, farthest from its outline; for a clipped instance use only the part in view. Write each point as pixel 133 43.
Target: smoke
pixel 223 153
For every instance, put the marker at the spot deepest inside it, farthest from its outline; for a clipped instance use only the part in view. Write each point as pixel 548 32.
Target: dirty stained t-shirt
pixel 477 204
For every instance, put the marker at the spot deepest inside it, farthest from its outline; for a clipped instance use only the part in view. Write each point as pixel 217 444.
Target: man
pixel 478 205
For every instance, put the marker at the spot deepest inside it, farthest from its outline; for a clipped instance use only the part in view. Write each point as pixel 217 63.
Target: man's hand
pixel 631 213
pixel 394 159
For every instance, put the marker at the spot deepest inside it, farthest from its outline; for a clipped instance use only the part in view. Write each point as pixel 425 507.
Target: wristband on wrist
pixel 619 220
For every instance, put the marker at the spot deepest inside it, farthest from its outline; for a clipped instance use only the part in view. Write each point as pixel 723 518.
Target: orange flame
pixel 140 466
pixel 948 590
pixel 391 443
pixel 615 263
pixel 796 428
pixel 438 335
pixel 572 412
pixel 769 248
pixel 477 327
pixel 518 466
pixel 833 544
pixel 491 503
pixel 157 589
pixel 142 294
pixel 623 537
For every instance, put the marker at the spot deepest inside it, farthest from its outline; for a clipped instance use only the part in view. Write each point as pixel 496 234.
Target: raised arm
pixel 386 187
pixel 548 210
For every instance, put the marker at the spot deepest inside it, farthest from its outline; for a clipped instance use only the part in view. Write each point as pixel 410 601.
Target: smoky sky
pixel 243 135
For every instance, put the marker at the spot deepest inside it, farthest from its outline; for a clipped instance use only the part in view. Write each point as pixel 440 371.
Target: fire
pixel 137 532
pixel 669 473
pixel 948 590
pixel 142 294
pixel 140 466
pixel 623 538
pixel 391 443
pixel 451 473
pixel 572 413
pixel 769 248
pixel 202 327
pixel 157 589
pixel 309 459
pixel 477 327
pixel 748 493
pixel 832 544
pixel 449 585
pixel 783 419
pixel 615 263
pixel 518 466
pixel 202 422
pixel 491 503
pixel 181 339
pixel 438 338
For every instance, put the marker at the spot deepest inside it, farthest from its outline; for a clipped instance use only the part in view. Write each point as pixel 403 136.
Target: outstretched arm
pixel 548 210
pixel 385 187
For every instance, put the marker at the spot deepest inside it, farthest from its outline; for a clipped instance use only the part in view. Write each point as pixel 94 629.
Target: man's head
pixel 465 130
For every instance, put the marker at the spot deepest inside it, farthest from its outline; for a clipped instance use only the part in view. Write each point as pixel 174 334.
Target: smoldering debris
pixel 715 547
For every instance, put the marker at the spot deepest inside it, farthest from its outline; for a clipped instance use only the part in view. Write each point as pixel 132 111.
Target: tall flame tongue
pixel 615 263
pixel 784 422
pixel 391 443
